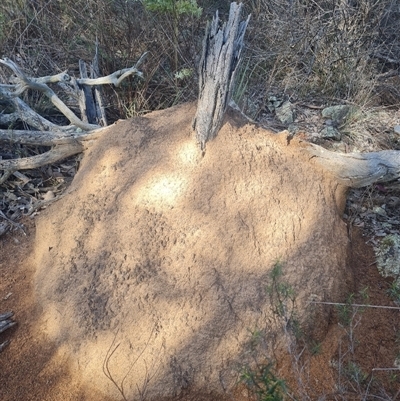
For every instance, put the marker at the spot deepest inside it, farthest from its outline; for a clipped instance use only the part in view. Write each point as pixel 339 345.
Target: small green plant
pixel 348 310
pixel 315 347
pixel 174 7
pixel 283 301
pixel 394 292
pixel 345 311
pixel 282 295
pixel 354 373
pixel 264 383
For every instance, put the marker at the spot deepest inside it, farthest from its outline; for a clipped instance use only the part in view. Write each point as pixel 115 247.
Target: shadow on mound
pixel 158 259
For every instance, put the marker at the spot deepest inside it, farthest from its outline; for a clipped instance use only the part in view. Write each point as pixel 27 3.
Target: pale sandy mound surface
pixel 158 259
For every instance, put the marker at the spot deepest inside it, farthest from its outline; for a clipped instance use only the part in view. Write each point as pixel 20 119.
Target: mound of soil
pixel 153 269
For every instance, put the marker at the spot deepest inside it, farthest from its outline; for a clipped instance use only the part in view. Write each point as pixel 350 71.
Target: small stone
pixel 285 113
pixel 336 113
pixel 379 210
pixel 330 132
pixel 48 195
pixel 293 129
pixel 273 103
pixel 396 129
pixel 387 257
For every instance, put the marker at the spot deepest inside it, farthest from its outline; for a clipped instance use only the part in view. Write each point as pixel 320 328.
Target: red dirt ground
pixel 28 370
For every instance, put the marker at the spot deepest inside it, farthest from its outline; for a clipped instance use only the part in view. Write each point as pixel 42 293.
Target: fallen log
pixel 358 170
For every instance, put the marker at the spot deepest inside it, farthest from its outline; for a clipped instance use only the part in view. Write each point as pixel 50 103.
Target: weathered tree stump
pixel 90 101
pixel 218 65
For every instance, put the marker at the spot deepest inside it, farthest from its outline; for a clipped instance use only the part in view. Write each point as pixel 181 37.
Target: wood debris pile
pixel 24 194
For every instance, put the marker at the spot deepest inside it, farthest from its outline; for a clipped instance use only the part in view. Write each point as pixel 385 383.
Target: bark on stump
pixel 218 66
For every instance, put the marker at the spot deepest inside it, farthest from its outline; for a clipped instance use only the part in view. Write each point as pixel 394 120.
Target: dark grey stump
pixel 220 58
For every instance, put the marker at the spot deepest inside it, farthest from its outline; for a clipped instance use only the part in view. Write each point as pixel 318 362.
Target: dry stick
pixel 115 78
pixel 42 203
pixel 28 115
pixel 106 368
pixel 94 73
pixel 5 176
pixel 5 324
pixel 358 305
pixel 38 138
pixel 40 84
pixel 23 83
pixel 50 138
pixel 4 345
pixel 53 155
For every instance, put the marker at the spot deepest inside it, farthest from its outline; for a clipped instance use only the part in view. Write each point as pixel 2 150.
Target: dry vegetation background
pixel 330 51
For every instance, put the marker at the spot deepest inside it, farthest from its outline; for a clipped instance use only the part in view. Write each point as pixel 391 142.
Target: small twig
pixel 4 344
pixel 357 305
pixel 116 77
pixel 5 324
pixel 106 368
pixel 42 203
pixel 13 223
pixel 55 154
pixel 5 176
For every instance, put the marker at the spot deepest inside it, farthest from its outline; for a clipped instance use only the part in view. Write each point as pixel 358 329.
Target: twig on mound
pixel 356 305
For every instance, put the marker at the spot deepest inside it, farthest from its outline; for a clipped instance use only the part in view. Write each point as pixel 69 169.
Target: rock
pixel 49 195
pixel 330 132
pixel 273 103
pixel 379 211
pixel 388 257
pixel 396 129
pixel 285 113
pixel 337 113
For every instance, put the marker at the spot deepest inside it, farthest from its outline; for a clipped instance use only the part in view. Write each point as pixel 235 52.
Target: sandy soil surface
pixel 127 236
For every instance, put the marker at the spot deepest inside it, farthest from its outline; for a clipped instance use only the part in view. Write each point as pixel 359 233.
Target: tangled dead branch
pixel 66 140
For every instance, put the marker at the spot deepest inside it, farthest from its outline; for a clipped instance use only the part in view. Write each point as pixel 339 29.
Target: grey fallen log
pixel 218 65
pixel 358 170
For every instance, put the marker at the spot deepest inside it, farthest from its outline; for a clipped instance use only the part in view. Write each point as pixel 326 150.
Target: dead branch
pixel 49 138
pixel 10 118
pixel 22 83
pixel 36 138
pixel 55 154
pixel 116 77
pixel 358 170
pixel 66 140
pixel 90 101
pixel 26 114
